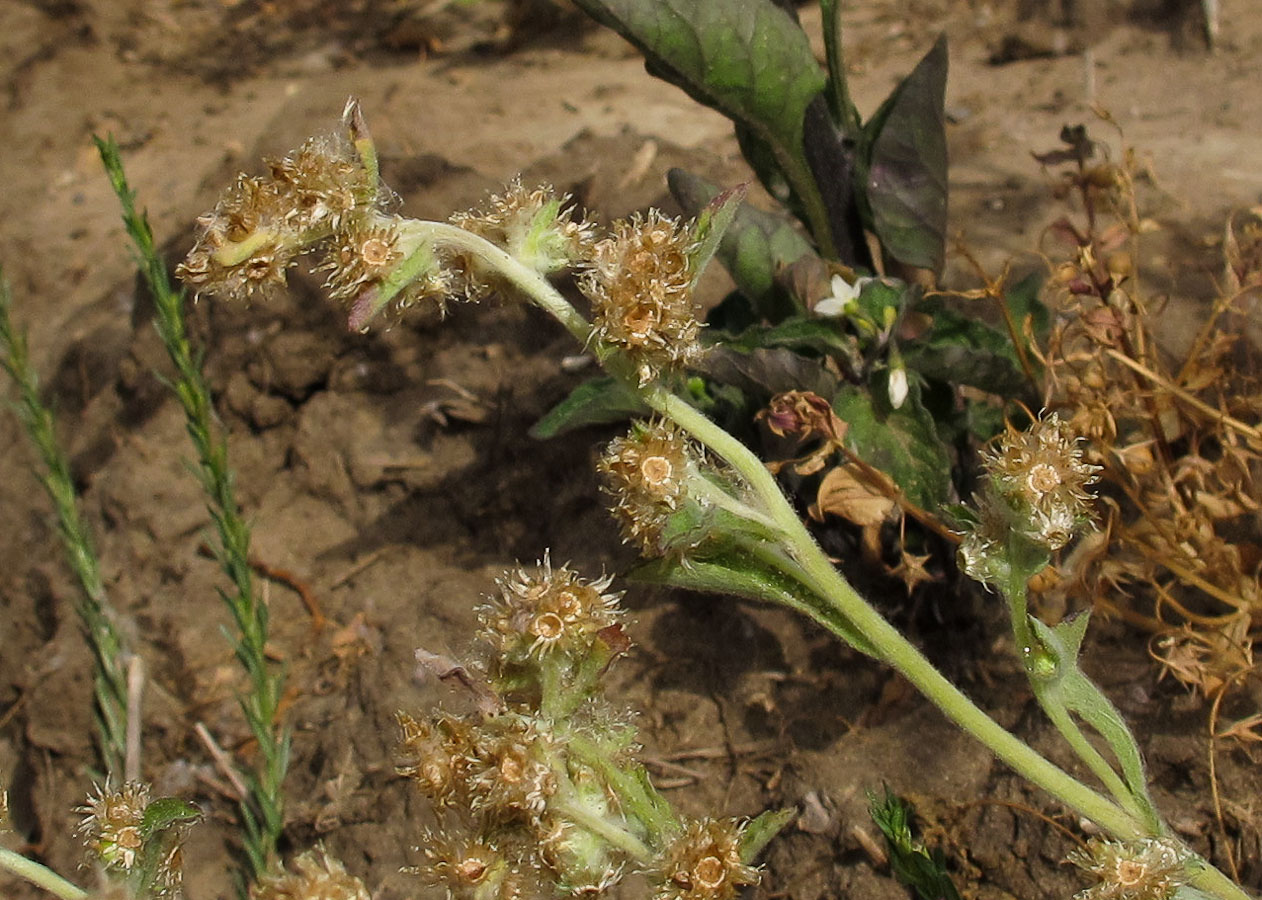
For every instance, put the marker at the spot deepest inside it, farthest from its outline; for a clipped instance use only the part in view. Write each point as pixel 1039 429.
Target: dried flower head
pixel 1042 470
pixel 547 610
pixel 361 254
pixel 704 863
pixel 640 285
pixel 473 868
pixel 511 774
pixel 261 225
pixel 1136 870
pixel 647 472
pixel 535 226
pixel 317 876
pixel 113 825
pixel 437 754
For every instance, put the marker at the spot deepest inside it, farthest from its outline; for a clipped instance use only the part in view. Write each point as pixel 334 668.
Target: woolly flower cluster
pixel 640 284
pixel 704 863
pixel 1035 490
pixel 648 473
pixel 547 611
pixel 137 842
pixel 1150 869
pixel 317 876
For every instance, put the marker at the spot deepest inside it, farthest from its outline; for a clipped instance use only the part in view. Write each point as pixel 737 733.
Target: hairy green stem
pixel 39 875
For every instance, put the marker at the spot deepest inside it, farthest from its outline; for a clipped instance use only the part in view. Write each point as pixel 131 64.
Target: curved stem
pixel 40 875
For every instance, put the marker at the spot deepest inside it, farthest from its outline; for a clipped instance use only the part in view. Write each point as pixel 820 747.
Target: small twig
pixel 135 693
pixel 357 567
pixel 1213 782
pixel 1189 398
pixel 222 760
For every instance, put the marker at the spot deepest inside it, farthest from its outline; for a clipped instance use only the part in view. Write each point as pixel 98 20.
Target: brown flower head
pixel 316 876
pixel 112 826
pixel 261 225
pixel 647 473
pixel 511 776
pixel 438 755
pixel 1136 870
pixel 535 226
pixel 547 610
pixel 475 868
pixel 704 863
pixel 640 286
pixel 1041 471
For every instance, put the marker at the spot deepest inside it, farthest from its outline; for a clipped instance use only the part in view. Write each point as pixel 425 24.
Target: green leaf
pixel 754 248
pixel 903 443
pixel 767 371
pixel 905 177
pixel 959 349
pixel 164 812
pixel 750 60
pixel 733 569
pixel 711 224
pixel 1027 309
pixel 761 829
pixel 912 864
pixel 596 401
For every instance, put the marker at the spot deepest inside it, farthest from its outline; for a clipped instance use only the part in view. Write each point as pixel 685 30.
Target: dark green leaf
pixel 768 370
pixel 905 181
pixel 903 443
pixel 1026 309
pixel 755 246
pixel 959 349
pixel 750 60
pixel 594 402
pixel 833 158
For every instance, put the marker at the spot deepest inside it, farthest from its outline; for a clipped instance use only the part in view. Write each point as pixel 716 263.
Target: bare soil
pixel 391 475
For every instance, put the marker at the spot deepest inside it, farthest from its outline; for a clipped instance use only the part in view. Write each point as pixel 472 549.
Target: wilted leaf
pixel 906 176
pixel 841 493
pixel 767 370
pixel 903 443
pixel 754 248
pixel 594 402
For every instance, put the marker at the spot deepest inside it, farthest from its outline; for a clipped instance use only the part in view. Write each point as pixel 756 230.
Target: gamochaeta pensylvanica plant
pixel 706 511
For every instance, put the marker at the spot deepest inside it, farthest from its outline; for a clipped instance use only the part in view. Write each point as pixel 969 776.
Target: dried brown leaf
pixel 842 493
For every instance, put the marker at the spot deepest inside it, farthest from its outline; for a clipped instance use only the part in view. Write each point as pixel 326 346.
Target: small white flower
pixel 844 298
pixel 898 386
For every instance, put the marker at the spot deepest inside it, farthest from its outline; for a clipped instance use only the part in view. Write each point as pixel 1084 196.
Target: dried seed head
pixel 474 868
pixel 510 775
pixel 646 472
pixel 704 863
pixel 1042 470
pixel 640 285
pixel 262 224
pixel 438 755
pixel 112 826
pixel 535 226
pixel 547 610
pixel 1140 870
pixel 317 876
pixel 362 254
